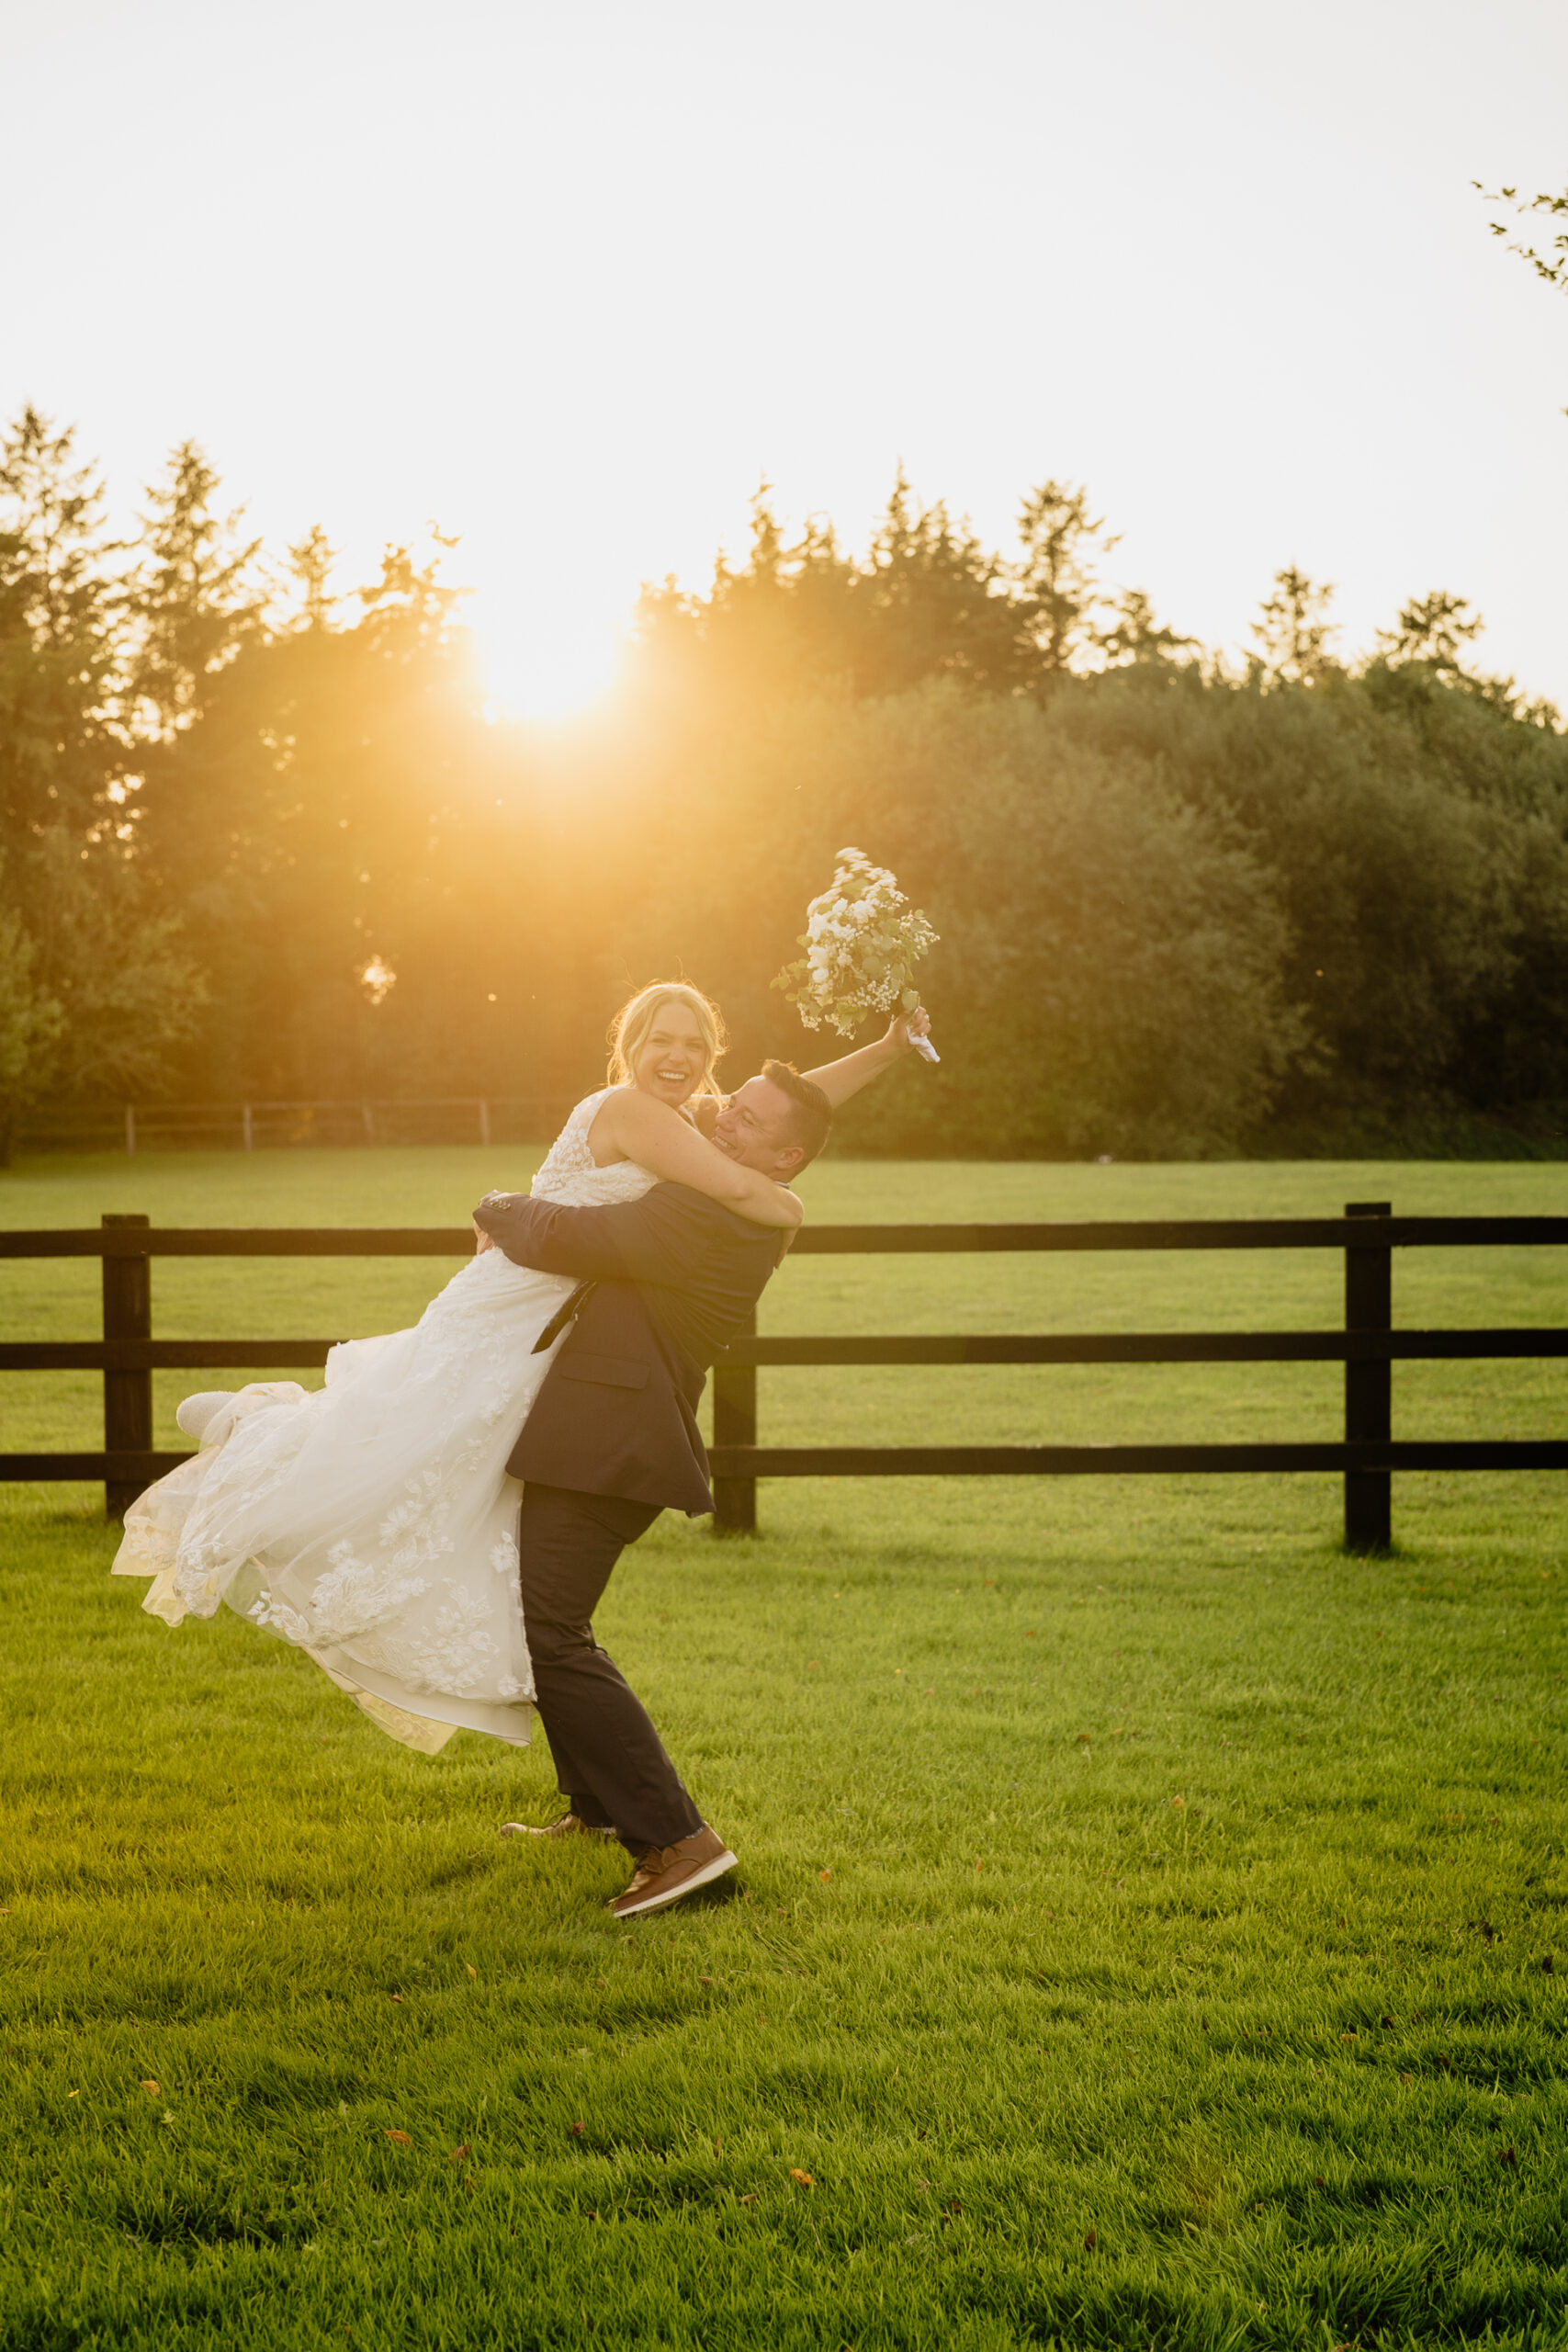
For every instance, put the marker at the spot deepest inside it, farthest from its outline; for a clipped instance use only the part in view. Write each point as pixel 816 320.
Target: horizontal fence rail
pixel 1127 1347
pixel 257 1125
pixel 1368 1346
pixel 811 1241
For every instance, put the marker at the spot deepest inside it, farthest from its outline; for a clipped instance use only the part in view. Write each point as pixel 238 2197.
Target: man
pixel 611 1441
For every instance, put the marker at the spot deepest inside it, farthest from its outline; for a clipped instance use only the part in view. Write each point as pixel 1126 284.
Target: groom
pixel 611 1441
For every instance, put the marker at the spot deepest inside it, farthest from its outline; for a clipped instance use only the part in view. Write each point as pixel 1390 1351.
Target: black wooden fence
pixel 1367 1455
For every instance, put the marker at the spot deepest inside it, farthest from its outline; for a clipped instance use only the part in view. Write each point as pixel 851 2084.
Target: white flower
pixel 861 939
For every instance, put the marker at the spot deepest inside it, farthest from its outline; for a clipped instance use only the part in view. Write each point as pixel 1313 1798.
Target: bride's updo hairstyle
pixel 629 1030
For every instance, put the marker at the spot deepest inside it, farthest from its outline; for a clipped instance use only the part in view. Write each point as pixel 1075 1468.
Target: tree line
pixel 263 841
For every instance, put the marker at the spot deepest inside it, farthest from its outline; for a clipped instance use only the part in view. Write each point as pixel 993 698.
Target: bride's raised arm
pixel 661 1140
pixel 845 1076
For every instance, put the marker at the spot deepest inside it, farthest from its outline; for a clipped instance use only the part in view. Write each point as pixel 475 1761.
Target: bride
pixel 372 1522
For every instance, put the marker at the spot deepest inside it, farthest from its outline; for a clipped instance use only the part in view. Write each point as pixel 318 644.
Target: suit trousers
pixel 609 1761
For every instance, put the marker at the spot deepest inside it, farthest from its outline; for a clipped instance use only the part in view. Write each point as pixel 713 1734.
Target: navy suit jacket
pixel 675 1275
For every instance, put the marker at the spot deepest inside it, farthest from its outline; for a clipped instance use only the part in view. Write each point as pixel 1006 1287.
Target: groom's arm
pixel 668 1236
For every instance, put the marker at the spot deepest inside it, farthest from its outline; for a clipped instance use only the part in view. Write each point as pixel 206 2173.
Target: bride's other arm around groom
pixel 612 1440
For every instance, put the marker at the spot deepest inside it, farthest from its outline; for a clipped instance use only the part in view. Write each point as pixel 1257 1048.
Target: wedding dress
pixel 373 1523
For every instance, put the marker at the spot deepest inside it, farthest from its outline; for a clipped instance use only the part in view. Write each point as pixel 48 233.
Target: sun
pixel 544 667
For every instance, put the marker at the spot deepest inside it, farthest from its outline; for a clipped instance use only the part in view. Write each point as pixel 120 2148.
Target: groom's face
pixel 754 1128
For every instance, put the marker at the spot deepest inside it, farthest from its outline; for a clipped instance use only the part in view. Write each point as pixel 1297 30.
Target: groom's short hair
pixel 811 1114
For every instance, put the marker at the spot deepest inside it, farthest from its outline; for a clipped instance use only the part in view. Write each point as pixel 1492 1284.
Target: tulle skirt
pixel 373 1523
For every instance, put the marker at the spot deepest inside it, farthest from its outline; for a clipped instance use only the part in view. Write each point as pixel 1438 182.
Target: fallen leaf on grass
pixel 458 2153
pixel 750 2199
pixel 824 1873
pixel 803 2177
pixel 1179 1804
pixel 400 2139
pixel 578 2130
pixel 471 1969
pixel 1509 2157
pixel 153 2090
pixel 1347 2037
pixel 397 1997
pixel 1092 2241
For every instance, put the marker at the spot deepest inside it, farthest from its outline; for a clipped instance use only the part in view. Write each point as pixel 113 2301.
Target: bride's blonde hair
pixel 628 1031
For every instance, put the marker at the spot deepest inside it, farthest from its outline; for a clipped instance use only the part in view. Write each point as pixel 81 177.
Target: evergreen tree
pixel 94 988
pixel 1132 635
pixel 1059 576
pixel 1432 629
pixel 1294 630
pixel 61 757
pixel 195 597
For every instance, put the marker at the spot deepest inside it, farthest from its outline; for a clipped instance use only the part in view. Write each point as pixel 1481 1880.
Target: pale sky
pixel 569 278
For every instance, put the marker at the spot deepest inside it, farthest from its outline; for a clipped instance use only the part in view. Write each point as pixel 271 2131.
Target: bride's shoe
pixel 568 1826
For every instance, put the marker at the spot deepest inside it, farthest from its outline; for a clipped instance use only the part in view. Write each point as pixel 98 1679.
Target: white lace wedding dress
pixel 373 1523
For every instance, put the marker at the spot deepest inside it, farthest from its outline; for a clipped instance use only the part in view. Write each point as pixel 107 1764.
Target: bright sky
pixel 567 278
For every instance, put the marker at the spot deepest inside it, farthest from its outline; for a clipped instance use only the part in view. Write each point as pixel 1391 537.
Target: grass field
pixel 1150 1927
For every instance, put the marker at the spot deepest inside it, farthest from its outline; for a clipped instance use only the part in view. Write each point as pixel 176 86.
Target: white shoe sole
pixel 709 1872
pixel 526 1829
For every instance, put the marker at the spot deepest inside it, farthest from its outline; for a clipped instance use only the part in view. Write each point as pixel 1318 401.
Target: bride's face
pixel 671 1058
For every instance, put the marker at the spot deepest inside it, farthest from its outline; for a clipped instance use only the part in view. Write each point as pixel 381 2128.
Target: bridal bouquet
pixel 862 940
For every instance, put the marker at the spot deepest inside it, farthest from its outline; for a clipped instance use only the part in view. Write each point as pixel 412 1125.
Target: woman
pixel 372 1523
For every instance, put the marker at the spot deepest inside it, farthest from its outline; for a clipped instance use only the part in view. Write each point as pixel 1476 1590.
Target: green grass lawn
pixel 1150 1927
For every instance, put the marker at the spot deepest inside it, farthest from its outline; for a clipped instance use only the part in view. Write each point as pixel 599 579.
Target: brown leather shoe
pixel 667 1872
pixel 568 1826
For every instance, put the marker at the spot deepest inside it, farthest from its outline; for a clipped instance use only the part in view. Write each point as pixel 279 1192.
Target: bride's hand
pixel 904 1027
pixel 483 1240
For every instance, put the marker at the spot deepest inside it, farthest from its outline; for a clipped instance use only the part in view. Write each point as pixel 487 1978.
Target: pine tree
pixel 1058 576
pixel 93 985
pixel 1294 630
pixel 195 597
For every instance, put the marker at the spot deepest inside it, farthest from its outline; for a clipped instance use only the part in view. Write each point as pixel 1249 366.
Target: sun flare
pixel 544 671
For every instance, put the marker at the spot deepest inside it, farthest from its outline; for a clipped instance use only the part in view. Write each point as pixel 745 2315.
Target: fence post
pixel 249 1126
pixel 1369 1387
pixel 130 1132
pixel 484 1124
pixel 369 1118
pixel 127 1395
pixel 735 1423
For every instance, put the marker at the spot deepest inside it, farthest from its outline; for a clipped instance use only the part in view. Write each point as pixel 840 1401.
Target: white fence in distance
pixel 133 1127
